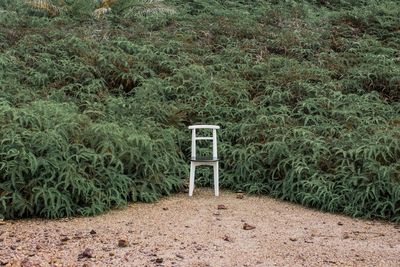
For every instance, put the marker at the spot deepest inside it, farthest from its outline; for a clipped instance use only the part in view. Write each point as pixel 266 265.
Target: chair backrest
pixel 213 138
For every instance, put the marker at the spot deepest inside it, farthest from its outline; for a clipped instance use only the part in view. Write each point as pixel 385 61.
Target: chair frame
pixel 198 161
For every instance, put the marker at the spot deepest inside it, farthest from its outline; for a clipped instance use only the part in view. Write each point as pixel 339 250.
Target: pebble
pixel 221 207
pixel 122 243
pixel 87 253
pixel 247 226
pixel 65 239
pixel 227 238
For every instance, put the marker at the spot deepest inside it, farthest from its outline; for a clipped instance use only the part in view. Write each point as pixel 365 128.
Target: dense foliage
pixel 94 108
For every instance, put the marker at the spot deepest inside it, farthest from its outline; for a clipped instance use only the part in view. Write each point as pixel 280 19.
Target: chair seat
pixel 203 159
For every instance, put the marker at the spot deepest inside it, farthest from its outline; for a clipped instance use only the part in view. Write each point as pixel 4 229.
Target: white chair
pixel 210 161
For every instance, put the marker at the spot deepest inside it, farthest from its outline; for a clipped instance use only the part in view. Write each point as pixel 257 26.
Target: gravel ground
pixel 183 231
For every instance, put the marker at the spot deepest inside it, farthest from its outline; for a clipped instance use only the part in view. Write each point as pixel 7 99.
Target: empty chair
pixel 211 160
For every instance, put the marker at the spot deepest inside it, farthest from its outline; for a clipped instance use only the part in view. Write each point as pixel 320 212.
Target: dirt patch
pixel 183 231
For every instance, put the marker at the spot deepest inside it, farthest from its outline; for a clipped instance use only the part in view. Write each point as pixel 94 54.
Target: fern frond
pixel 149 7
pixel 101 12
pixel 107 3
pixel 45 6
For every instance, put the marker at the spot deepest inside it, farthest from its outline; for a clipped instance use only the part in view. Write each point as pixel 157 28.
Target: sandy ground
pixel 183 231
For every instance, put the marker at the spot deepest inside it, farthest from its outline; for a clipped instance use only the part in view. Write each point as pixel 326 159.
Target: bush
pixel 94 110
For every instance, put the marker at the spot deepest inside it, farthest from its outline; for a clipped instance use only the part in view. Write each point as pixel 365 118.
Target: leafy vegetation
pixel 96 97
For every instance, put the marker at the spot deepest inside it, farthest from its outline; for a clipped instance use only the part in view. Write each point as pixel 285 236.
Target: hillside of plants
pixel 96 98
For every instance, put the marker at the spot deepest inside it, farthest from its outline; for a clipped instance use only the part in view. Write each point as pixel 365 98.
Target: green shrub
pixel 94 110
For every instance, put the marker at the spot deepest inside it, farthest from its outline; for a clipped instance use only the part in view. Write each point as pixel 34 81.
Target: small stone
pixel 26 263
pixel 346 236
pixel 165 208
pixel 87 253
pixel 93 232
pixel 111 254
pixel 179 256
pixel 65 239
pixel 293 239
pixel 331 261
pixel 227 238
pixel 239 196
pixel 13 247
pixel 122 243
pixel 339 223
pixel 222 207
pixel 159 260
pixel 247 226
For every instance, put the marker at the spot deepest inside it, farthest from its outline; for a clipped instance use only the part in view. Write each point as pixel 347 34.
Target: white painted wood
pixel 216 178
pixel 204 138
pixel 214 138
pixel 194 143
pixel 195 162
pixel 204 127
pixel 191 181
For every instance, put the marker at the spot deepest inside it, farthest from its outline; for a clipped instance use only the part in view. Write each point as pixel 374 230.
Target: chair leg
pixel 191 179
pixel 216 179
